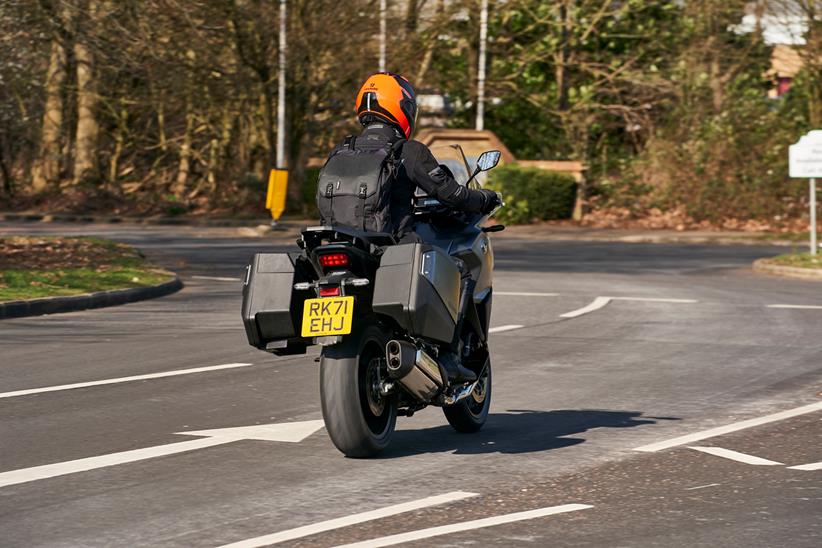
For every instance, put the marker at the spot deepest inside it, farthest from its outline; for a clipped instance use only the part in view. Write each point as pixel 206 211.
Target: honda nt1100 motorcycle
pixel 402 326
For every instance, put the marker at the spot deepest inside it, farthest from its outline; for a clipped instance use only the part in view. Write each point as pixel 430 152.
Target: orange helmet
pixel 388 97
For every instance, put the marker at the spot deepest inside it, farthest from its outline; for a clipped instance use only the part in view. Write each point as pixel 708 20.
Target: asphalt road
pixel 689 341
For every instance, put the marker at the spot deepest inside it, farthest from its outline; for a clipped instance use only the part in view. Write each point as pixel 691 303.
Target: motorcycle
pixel 402 325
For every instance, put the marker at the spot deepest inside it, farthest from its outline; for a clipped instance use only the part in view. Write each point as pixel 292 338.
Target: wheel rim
pixel 476 402
pixel 376 408
pixel 373 395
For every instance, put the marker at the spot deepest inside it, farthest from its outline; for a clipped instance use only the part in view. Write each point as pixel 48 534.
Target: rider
pixel 387 109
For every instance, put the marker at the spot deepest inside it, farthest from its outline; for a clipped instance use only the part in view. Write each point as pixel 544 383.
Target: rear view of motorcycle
pixel 402 326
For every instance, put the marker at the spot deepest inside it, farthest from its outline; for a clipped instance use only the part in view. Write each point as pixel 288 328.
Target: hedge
pixel 533 194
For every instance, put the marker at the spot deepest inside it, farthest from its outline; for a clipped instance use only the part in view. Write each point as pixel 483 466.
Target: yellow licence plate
pixel 328 316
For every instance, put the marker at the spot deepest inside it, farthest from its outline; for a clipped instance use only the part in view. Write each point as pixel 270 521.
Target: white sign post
pixel 805 162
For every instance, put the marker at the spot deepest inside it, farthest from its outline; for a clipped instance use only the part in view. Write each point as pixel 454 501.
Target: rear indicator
pixel 334 259
pixel 330 291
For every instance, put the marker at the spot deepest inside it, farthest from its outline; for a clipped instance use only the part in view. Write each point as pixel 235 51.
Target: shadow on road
pixel 517 431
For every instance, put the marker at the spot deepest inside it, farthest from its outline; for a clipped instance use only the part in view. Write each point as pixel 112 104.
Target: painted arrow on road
pixel 292 432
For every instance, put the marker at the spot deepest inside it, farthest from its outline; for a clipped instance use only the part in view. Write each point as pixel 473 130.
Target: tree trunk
pixel 85 156
pixel 119 142
pixel 562 55
pixel 268 112
pixel 184 165
pixel 46 171
pixel 8 185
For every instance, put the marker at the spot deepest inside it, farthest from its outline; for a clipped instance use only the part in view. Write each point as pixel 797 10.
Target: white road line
pixel 597 303
pixel 734 455
pixel 216 278
pixel 289 432
pixel 354 519
pixel 811 466
pixel 502 328
pixel 524 294
pixel 46 471
pixel 735 427
pixel 57 388
pixel 466 526
pixel 796 306
pixel 654 300
pixel 703 486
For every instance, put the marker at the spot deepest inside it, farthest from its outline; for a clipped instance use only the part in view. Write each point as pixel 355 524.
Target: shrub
pixel 532 194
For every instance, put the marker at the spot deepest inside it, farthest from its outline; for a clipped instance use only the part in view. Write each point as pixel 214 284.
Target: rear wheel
pixel 470 414
pixel 358 418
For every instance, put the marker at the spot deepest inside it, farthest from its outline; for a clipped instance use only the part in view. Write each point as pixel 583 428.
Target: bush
pixel 533 194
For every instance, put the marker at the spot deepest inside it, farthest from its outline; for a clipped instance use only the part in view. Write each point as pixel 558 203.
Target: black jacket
pixel 418 168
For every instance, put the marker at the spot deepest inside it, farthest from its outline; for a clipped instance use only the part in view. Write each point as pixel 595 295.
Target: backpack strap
pixel 363 194
pixel 393 158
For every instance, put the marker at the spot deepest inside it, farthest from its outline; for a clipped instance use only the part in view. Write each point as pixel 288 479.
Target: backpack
pixel 354 187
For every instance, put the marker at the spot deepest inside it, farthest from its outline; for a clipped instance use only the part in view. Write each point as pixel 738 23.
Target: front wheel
pixel 470 414
pixel 358 418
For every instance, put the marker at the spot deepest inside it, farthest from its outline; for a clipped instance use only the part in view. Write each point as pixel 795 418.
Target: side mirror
pixel 488 160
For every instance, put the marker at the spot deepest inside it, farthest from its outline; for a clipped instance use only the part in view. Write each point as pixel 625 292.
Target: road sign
pixel 277 189
pixel 805 162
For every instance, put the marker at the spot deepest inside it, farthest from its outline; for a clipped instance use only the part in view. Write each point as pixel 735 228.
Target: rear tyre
pixel 470 414
pixel 358 418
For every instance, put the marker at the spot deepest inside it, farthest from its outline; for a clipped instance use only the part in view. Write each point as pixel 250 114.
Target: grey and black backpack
pixel 354 187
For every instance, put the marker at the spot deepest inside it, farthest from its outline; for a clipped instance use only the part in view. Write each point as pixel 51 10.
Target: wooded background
pixel 166 106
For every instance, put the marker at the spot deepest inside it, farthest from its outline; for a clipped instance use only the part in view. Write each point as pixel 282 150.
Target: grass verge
pixel 36 267
pixel 798 260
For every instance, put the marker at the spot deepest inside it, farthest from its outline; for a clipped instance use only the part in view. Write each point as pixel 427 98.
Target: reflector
pixel 329 291
pixel 334 259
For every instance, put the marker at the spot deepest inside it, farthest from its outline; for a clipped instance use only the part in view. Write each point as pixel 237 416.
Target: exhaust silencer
pixel 418 372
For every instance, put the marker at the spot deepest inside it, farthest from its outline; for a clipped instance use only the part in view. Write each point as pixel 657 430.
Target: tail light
pixel 334 259
pixel 330 291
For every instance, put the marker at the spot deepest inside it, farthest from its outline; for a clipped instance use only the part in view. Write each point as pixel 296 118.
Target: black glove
pixel 492 201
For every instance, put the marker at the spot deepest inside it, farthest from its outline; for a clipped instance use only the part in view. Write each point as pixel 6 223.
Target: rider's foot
pixel 457 373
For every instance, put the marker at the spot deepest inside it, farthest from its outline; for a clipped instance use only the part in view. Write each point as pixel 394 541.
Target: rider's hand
pixel 492 201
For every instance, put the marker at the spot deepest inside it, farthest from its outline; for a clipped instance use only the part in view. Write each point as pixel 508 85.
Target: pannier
pixel 271 315
pixel 419 287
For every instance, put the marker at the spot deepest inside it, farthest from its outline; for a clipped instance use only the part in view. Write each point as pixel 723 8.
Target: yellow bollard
pixel 277 189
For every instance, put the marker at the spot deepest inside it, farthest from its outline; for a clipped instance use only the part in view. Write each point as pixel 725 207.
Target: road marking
pixel 734 427
pixel 654 300
pixel 524 294
pixel 122 379
pixel 502 328
pixel 597 303
pixel 703 486
pixel 292 432
pixel 811 466
pixel 353 519
pixel 466 526
pixel 796 306
pixel 216 278
pixel 734 455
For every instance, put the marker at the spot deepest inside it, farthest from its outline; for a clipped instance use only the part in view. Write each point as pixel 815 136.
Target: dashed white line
pixel 216 278
pixel 727 429
pixel 795 306
pixel 654 300
pixel 524 294
pixel 597 303
pixel 703 486
pixel 57 388
pixel 811 466
pixel 502 328
pixel 46 471
pixel 736 456
pixel 466 526
pixel 354 519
